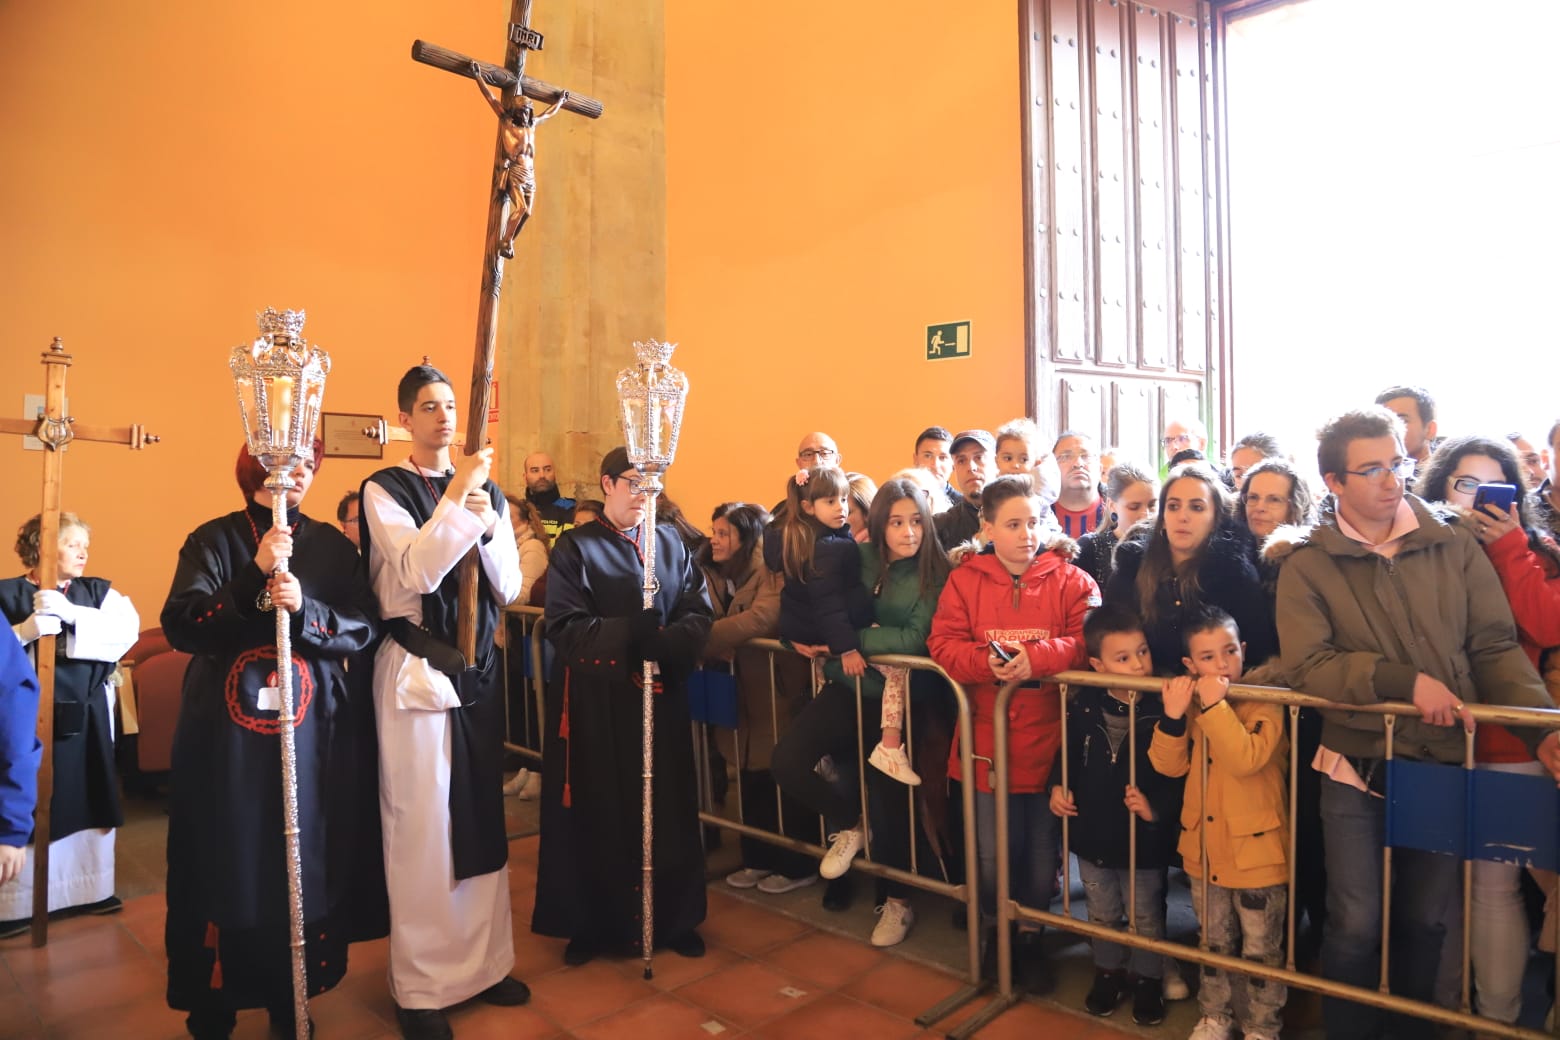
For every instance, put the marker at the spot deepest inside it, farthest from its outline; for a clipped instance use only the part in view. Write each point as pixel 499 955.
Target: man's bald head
pixel 817 449
pixel 539 477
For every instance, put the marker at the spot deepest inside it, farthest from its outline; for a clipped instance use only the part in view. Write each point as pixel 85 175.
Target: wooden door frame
pixel 1034 90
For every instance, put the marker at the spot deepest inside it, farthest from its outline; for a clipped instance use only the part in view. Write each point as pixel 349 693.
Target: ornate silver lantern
pixel 280 381
pixel 651 395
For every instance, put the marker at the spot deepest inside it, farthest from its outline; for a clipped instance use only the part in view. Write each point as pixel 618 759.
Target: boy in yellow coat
pixel 1241 819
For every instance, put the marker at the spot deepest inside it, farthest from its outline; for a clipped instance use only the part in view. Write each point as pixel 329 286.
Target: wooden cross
pixel 55 429
pixel 512 185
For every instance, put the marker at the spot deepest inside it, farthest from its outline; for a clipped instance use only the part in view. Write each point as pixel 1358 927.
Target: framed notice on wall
pixel 344 438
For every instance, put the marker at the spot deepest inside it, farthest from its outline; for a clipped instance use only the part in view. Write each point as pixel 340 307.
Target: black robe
pixel 478 839
pixel 589 864
pixel 86 791
pixel 227 928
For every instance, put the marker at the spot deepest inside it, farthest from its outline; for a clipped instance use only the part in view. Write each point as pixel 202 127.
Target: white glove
pixel 37 625
pixel 52 601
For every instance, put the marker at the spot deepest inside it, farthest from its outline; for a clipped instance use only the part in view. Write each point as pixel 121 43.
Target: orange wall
pixel 173 167
pixel 836 182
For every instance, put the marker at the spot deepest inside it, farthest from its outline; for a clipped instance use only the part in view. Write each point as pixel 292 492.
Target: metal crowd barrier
pixel 529 742
pixel 966 893
pixel 1009 911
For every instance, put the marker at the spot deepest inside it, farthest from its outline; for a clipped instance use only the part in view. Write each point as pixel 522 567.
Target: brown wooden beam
pixel 498 76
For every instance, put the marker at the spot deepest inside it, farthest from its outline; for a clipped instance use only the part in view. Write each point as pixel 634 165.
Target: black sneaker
pixel 1106 993
pixel 1148 1001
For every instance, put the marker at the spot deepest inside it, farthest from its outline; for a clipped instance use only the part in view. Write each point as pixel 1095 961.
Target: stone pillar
pixel 589 274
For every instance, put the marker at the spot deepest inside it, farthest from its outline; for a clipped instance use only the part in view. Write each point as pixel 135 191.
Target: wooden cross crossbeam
pixel 55 429
pixel 513 186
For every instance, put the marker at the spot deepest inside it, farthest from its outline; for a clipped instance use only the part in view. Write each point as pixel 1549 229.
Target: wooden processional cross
pixel 509 207
pixel 55 429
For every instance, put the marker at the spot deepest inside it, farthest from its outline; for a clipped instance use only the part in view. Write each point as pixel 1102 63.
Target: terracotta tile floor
pixel 766 975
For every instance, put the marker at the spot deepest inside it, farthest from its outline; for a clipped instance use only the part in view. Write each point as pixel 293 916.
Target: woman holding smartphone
pixel 1460 474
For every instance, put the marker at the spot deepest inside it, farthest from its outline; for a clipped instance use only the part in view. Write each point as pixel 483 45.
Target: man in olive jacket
pixel 1386 601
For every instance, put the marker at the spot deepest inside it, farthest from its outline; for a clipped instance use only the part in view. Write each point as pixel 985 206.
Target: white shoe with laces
pixel 747 877
pixel 1211 1029
pixel 843 846
pixel 895 763
pixel 894 922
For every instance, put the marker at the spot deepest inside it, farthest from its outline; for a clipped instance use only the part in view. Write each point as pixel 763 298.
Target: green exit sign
pixel 951 340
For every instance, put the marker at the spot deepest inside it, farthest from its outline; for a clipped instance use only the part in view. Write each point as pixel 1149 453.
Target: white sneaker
pixel 747 877
pixel 895 763
pixel 1175 984
pixel 1211 1029
pixel 779 884
pixel 513 787
pixel 843 847
pixel 894 922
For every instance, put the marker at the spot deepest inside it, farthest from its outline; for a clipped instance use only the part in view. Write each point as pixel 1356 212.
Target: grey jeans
pixel 1105 890
pixel 1248 923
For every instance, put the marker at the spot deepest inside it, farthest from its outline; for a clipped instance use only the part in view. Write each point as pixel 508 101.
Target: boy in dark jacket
pixel 1106 752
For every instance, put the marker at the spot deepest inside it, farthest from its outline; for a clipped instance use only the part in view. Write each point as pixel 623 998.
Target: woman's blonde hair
pixel 30 534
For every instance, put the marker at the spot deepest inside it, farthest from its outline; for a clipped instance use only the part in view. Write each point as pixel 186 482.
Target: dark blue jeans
pixel 1034 847
pixel 1353 823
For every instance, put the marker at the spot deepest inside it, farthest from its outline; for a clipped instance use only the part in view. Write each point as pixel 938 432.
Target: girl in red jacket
pixel 1528 564
pixel 1032 606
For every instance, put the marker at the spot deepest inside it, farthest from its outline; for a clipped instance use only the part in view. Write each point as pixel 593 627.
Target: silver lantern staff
pixel 651 394
pixel 280 381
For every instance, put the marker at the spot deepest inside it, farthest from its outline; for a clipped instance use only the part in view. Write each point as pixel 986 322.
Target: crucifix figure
pixel 55 429
pixel 508 209
pixel 517 140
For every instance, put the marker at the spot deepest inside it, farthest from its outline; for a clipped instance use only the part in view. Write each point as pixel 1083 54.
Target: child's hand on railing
pixel 1177 696
pixel 1062 803
pixel 810 650
pixel 1136 803
pixel 854 664
pixel 1211 689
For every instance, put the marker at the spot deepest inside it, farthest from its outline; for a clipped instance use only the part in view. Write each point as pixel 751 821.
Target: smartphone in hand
pixel 1499 497
pixel 1001 651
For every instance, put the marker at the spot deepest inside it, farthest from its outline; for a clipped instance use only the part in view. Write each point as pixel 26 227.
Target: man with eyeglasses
pixel 1183 434
pixel 348 511
pixel 817 449
pixel 1388 601
pixel 588 867
pixel 1080 508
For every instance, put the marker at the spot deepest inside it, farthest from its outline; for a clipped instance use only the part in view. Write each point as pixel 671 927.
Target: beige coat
pixel 752 611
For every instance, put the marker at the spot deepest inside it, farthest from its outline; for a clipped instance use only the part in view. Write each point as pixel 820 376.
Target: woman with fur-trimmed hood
pixel 1193 553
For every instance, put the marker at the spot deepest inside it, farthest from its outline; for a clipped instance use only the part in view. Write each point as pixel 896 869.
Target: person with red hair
pixel 227 932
